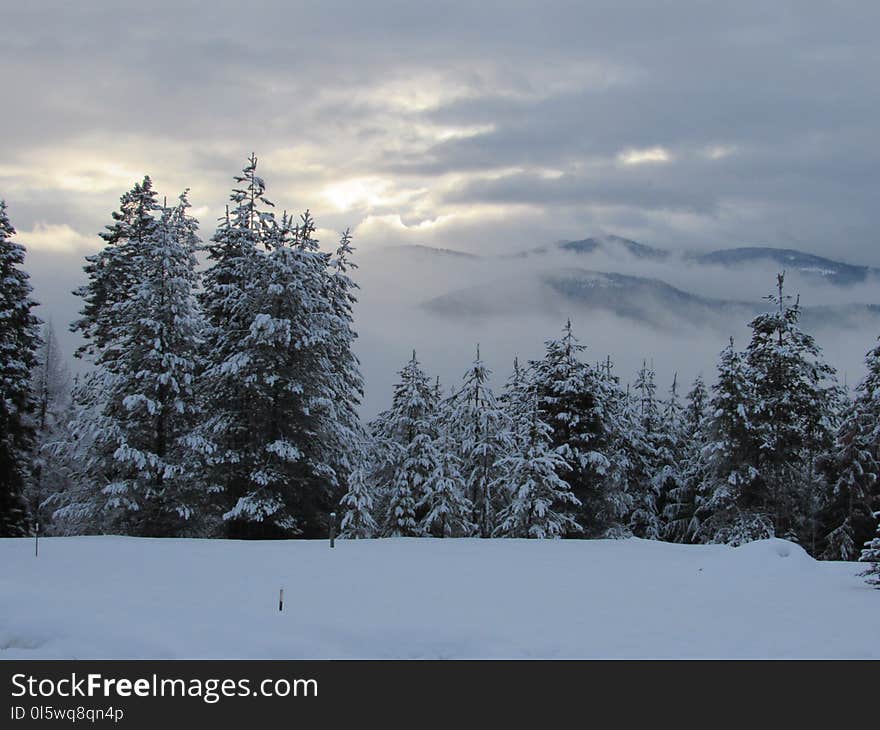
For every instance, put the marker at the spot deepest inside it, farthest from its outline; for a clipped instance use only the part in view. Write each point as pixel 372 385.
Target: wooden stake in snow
pixel 37 540
pixel 281 600
pixel 332 529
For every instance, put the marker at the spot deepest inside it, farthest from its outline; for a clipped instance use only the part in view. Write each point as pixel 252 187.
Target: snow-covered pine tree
pixel 871 555
pixel 51 386
pixel 343 426
pixel 669 470
pixel 624 428
pixel 78 507
pixel 848 506
pixel 729 508
pixel 273 399
pixel 136 409
pixel 19 338
pixel 475 426
pixel 539 502
pixel 573 399
pixel 515 397
pixel 405 449
pixel 793 416
pixel 225 436
pixel 111 272
pixel 280 385
pixel 151 399
pixel 446 506
pixel 647 477
pixel 681 509
pixel 303 432
pixel 357 503
pixel 847 518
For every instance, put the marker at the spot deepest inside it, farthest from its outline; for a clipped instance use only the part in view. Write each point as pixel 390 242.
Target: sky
pixel 486 127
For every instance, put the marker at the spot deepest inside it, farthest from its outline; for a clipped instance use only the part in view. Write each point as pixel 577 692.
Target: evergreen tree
pixel 774 414
pixel 515 398
pixel 357 520
pixel 478 426
pixel 112 271
pixel 574 400
pixel 539 500
pixel 19 338
pixel 871 555
pixel 681 510
pixel 848 513
pixel 342 423
pixel 647 473
pixel 728 505
pixel 406 455
pixel 152 398
pixel 279 387
pixel 625 427
pixel 669 471
pixel 51 387
pixel 792 415
pixel 225 437
pixel 444 495
pixel 137 408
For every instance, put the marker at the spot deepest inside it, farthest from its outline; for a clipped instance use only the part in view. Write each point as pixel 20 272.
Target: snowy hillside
pixel 125 598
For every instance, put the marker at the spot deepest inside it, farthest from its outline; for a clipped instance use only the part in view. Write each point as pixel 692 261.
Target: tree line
pixel 775 447
pixel 222 401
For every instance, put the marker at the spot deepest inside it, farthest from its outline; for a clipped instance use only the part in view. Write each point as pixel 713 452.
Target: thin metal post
pixel 332 529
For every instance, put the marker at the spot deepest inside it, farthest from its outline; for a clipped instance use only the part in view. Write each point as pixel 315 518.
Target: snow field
pixel 121 597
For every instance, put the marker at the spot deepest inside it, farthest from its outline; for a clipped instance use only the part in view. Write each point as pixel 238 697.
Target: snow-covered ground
pixel 116 597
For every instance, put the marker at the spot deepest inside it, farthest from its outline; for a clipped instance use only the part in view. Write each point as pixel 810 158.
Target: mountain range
pixel 552 281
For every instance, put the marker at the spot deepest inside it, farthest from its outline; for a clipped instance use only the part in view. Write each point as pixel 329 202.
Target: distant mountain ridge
pixel 640 299
pixel 610 244
pixel 820 268
pixel 834 272
pixel 556 286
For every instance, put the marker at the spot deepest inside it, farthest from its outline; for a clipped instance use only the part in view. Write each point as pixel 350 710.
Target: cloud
pixel 641 156
pixel 57 237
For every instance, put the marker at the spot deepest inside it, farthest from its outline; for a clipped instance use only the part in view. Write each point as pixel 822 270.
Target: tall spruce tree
pixel 854 491
pixel 647 474
pixel 342 422
pixel 406 454
pixel 19 339
pixel 112 271
pixel 729 507
pixel 476 427
pixel 573 399
pixel 226 437
pixel 792 416
pixel 137 408
pixel 669 470
pixel 682 522
pixel 445 503
pixel 152 400
pixel 539 502
pixel 276 339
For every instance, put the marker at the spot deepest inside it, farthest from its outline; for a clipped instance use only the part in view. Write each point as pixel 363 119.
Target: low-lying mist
pixel 501 303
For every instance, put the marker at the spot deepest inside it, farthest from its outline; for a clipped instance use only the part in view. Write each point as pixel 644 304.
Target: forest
pixel 221 400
